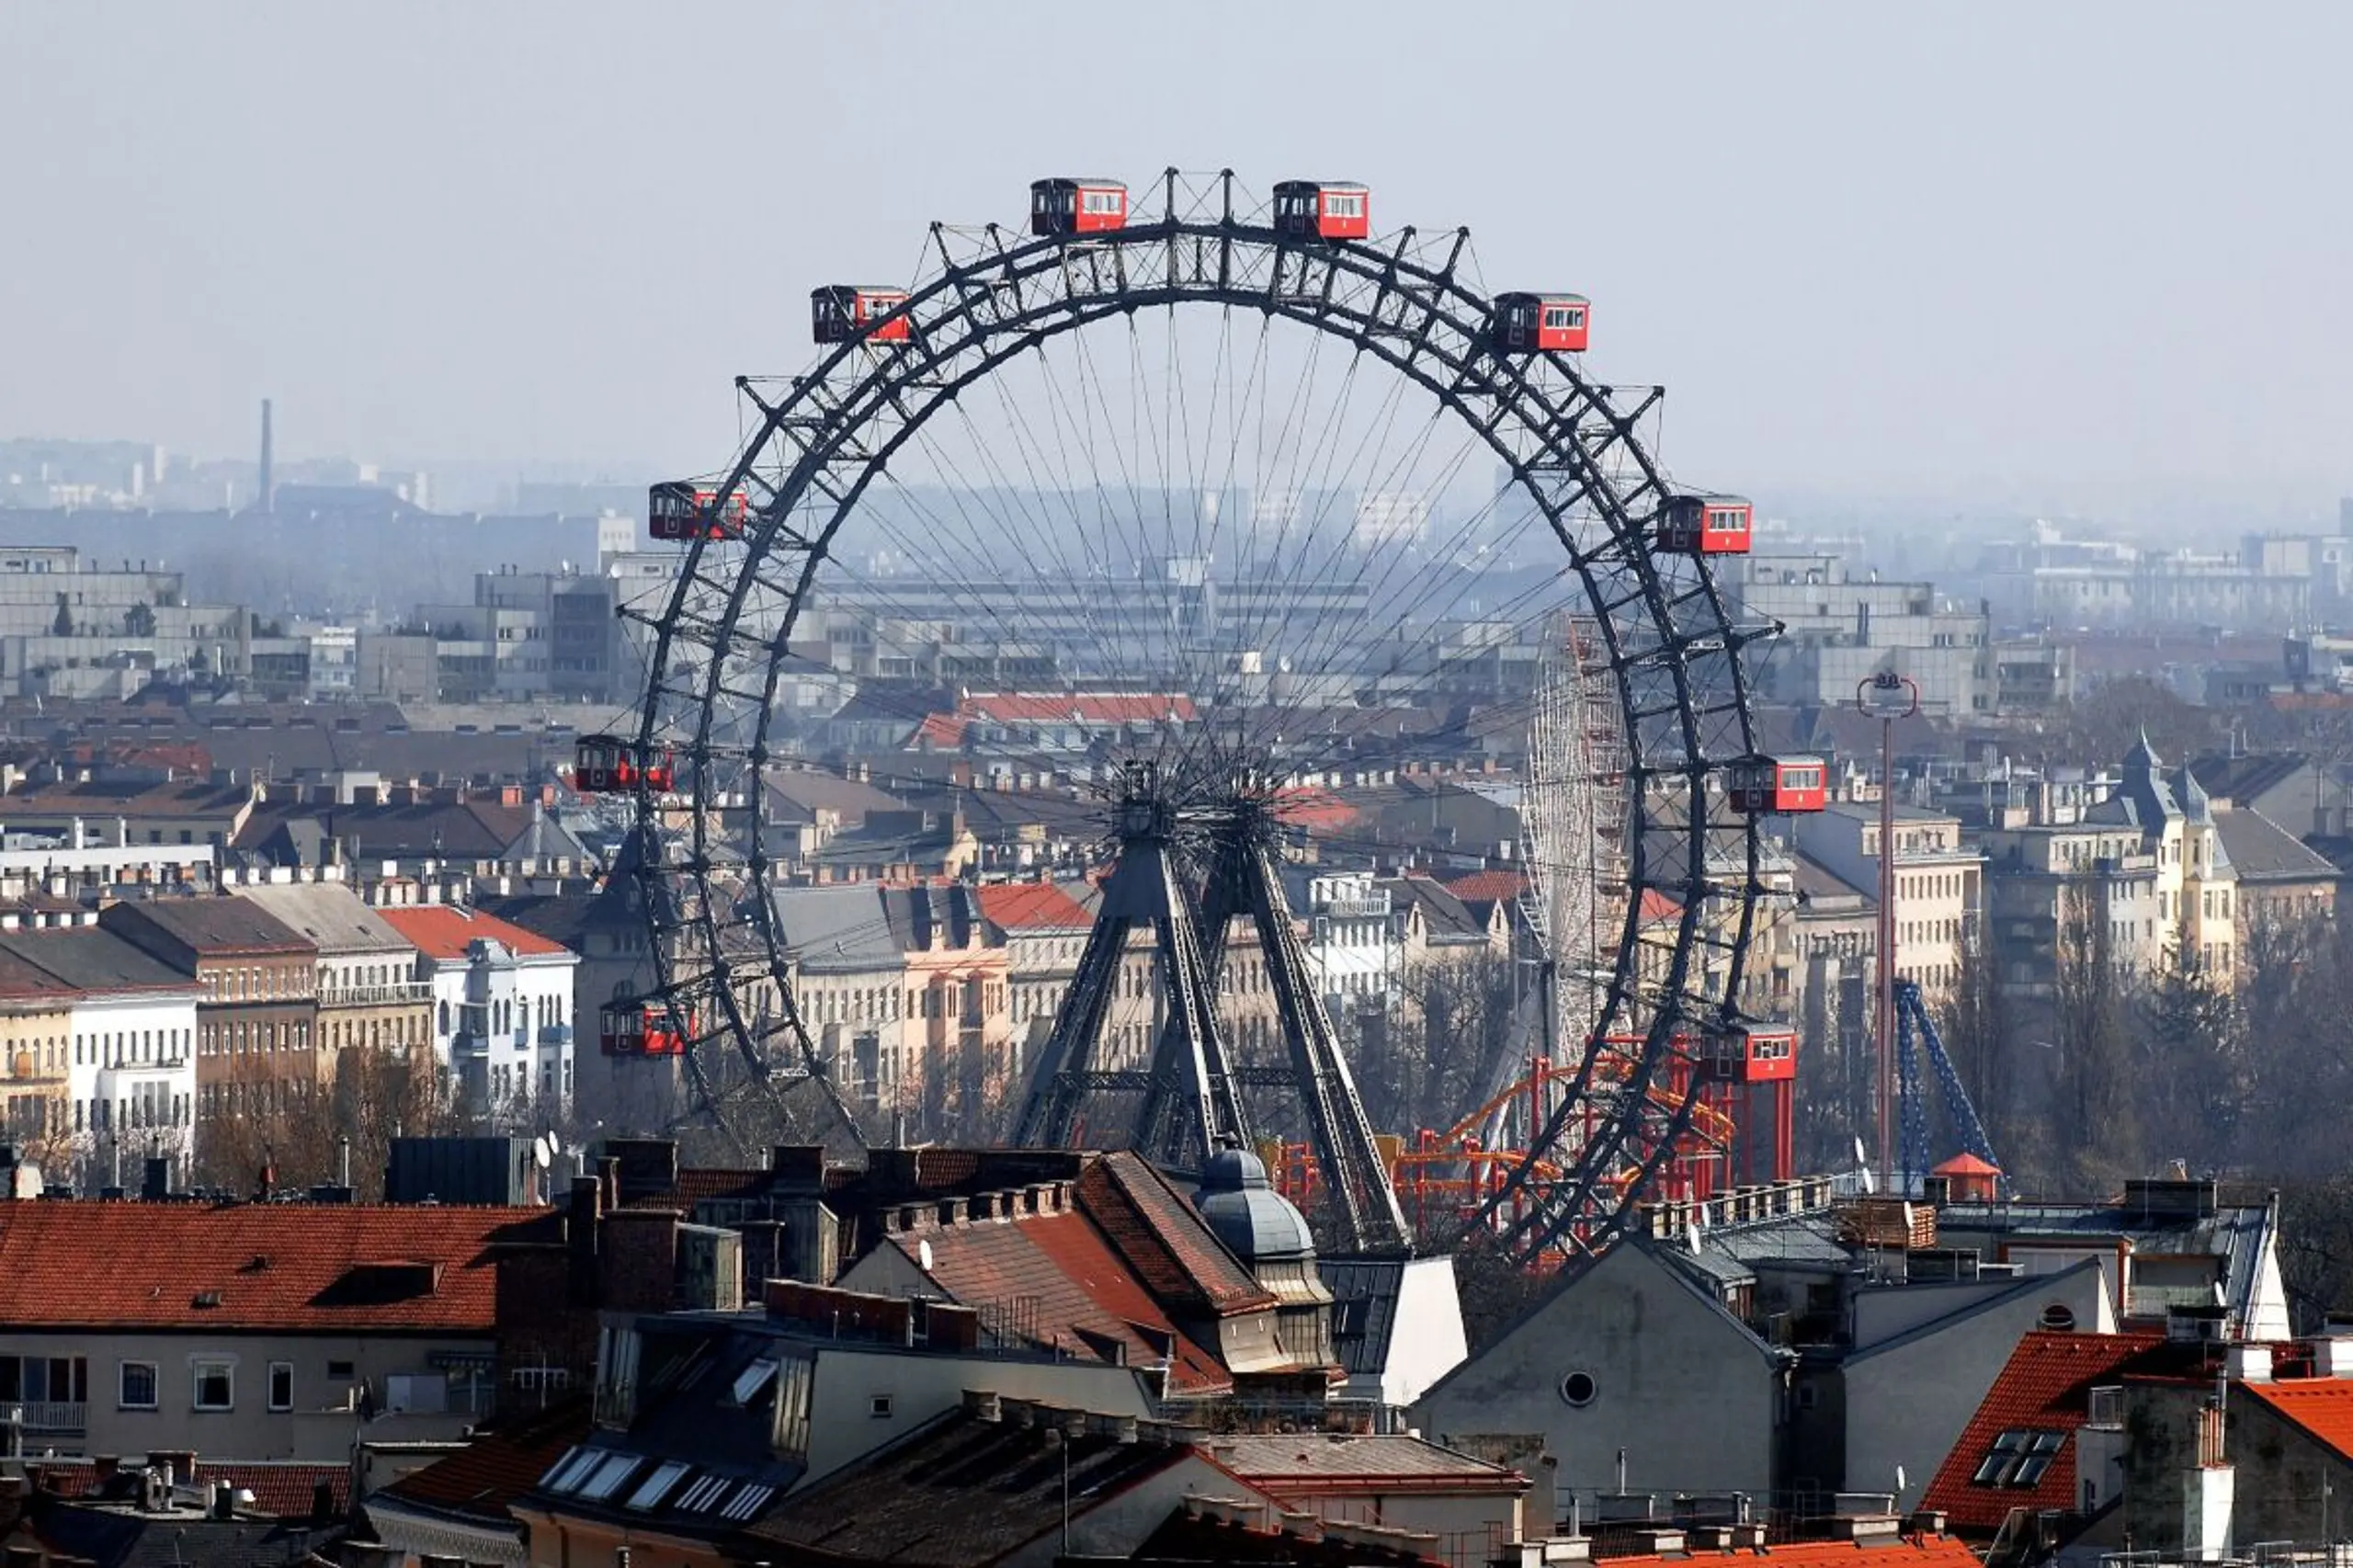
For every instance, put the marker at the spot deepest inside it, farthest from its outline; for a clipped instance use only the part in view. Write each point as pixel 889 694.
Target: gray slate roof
pixel 2264 851
pixel 332 916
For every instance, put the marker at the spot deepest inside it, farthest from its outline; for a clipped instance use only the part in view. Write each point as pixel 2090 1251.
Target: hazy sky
pixel 1870 243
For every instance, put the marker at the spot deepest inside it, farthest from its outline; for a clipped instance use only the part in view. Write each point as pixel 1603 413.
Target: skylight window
pixel 748 1500
pixel 2019 1457
pixel 658 1485
pixel 752 1379
pixel 704 1495
pixel 608 1477
pixel 568 1471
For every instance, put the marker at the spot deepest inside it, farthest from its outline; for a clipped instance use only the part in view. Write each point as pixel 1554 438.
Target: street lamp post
pixel 1886 696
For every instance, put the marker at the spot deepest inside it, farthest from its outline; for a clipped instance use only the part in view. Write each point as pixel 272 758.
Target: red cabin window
pixel 628 1028
pixel 608 764
pixel 679 511
pixel 846 314
pixel 1706 524
pixel 1540 323
pixel 1318 210
pixel 1765 787
pixel 1071 206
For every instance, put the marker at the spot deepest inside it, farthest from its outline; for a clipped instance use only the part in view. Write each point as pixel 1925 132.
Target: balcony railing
pixel 555 1034
pixel 403 993
pixel 55 1416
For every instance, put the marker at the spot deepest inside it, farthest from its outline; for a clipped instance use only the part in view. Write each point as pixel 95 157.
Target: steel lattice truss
pixel 816 444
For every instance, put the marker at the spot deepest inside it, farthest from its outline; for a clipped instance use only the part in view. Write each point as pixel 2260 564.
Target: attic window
pixel 207 1299
pixel 2019 1457
pixel 752 1379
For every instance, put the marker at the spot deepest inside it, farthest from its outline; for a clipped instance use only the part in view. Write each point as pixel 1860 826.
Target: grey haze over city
pixel 1968 254
pixel 1068 784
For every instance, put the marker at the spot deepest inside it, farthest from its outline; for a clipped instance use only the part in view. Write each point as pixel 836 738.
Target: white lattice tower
pixel 1570 829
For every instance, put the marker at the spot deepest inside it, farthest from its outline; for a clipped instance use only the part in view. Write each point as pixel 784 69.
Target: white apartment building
pixel 131 1084
pixel 1939 881
pixel 1351 950
pixel 502 1012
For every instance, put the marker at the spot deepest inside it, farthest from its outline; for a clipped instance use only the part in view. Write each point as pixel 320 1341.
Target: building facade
pixel 502 1008
pixel 257 1044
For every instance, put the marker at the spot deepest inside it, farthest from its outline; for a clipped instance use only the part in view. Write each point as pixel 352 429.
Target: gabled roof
pixel 1444 914
pixel 1078 1296
pixel 2260 850
pixel 1488 887
pixel 242 1268
pixel 443 932
pixel 798 794
pixel 2045 1387
pixel 2246 778
pixel 2321 1407
pixel 1031 906
pixel 1161 1234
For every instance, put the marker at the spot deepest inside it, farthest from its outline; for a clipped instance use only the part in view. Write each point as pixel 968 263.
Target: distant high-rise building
pixel 266 490
pixel 1389 516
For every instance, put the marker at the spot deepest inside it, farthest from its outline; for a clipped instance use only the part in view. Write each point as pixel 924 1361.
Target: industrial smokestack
pixel 269 489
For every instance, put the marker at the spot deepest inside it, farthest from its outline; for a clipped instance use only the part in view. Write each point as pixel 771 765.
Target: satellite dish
pixel 1868 1188
pixel 1899 1481
pixel 923 1254
pixel 543 1150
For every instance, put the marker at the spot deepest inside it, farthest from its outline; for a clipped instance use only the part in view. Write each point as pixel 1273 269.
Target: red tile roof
pixel 285 1489
pixel 1910 1551
pixel 1081 1290
pixel 1087 707
pixel 277 1267
pixel 1488 887
pixel 1966 1163
pixel 479 1480
pixel 443 931
pixel 1317 811
pixel 2320 1406
pixel 1031 906
pixel 1658 908
pixel 2046 1386
pixel 1164 1238
pixel 941 732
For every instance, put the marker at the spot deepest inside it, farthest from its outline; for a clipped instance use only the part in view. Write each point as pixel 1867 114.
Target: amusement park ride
pixel 1646 1078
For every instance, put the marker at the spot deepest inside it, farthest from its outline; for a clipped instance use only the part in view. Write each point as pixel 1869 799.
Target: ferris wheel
pixel 1203 503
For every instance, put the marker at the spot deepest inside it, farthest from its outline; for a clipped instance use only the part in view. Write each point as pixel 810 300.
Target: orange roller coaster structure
pixel 1738 1084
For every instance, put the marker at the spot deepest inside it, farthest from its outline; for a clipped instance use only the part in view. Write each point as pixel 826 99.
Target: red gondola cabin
pixel 1750 1053
pixel 627 1028
pixel 1706 524
pixel 1547 324
pixel 678 510
pixel 1077 206
pixel 1322 210
pixel 1765 786
pixel 608 764
pixel 848 312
